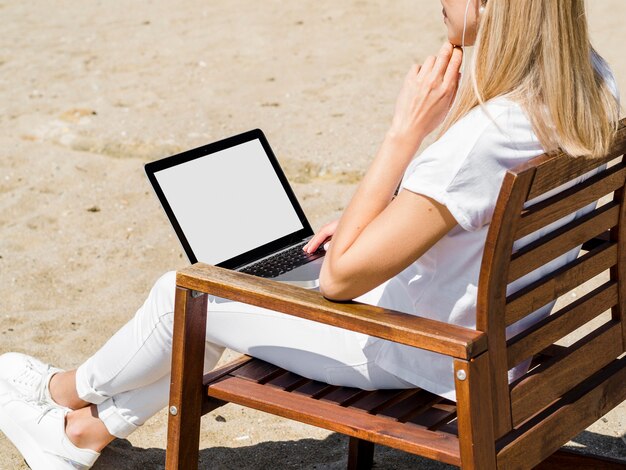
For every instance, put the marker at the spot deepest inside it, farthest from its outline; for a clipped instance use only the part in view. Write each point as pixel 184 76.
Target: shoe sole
pixel 25 444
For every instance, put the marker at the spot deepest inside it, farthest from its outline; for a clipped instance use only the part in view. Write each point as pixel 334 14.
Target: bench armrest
pixel 399 327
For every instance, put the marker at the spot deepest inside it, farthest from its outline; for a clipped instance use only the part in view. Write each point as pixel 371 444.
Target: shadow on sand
pixel 329 453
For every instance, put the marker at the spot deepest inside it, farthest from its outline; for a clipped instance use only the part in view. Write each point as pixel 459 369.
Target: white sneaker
pixel 38 431
pixel 29 376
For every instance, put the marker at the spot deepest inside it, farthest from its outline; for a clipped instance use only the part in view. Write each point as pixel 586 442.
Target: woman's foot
pixel 38 431
pixel 28 376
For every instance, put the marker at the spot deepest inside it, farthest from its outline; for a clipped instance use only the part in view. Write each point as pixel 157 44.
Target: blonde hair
pixel 537 53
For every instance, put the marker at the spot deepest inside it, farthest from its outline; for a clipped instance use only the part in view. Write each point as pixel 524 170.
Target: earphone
pixel 467 5
pixel 481 10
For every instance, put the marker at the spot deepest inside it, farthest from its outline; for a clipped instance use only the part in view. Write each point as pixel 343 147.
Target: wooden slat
pixel 419 410
pixel 571 200
pixel 226 369
pixel 376 401
pixel 431 444
pixel 552 171
pixel 562 240
pixel 492 285
pixel 314 389
pixel 183 427
pixel 257 371
pixel 395 326
pixel 596 241
pixel 287 381
pixel 558 325
pixel 343 396
pixel 411 406
pixel 474 410
pixel 209 404
pixel 546 433
pixel 435 417
pixel 562 280
pixel 553 378
pixel 618 272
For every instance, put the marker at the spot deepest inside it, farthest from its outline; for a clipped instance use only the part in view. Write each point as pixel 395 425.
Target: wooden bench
pixel 494 424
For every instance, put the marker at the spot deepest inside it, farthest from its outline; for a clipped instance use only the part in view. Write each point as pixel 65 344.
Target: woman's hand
pixel 427 95
pixel 323 236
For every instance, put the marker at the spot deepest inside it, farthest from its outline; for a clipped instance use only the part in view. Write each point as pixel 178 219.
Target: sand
pixel 92 90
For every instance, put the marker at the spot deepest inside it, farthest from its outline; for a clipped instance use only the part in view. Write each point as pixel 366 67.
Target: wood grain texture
pixel 475 414
pixel 544 434
pixel 556 376
pixel 516 426
pixel 492 285
pixel 571 200
pixel 562 240
pixel 561 323
pixel 564 279
pixel 375 403
pixel 378 429
pixel 360 454
pixel 552 170
pixel 618 272
pixel 395 326
pixel 183 428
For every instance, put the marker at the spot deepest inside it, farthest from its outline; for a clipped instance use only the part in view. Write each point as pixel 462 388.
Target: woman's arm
pixel 377 238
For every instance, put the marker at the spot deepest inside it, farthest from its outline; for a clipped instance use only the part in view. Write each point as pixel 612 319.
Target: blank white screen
pixel 228 202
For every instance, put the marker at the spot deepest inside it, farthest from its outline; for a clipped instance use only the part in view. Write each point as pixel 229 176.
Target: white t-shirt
pixel 463 170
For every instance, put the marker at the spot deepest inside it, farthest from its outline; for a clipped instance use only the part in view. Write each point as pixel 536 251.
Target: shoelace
pixel 32 379
pixel 46 408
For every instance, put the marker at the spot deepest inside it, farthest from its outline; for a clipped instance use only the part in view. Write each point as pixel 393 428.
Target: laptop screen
pixel 228 202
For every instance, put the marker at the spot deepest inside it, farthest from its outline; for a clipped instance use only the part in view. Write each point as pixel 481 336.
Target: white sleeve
pixel 464 169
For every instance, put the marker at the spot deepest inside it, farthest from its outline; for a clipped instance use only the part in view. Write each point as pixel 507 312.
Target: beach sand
pixel 92 90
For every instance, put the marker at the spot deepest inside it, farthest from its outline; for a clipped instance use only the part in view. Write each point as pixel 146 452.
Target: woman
pixel 418 252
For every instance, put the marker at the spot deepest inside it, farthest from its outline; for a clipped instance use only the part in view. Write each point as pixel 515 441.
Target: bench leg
pixel 185 407
pixel 565 459
pixel 360 454
pixel 474 413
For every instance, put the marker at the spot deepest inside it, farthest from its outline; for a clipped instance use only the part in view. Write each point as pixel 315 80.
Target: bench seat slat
pixel 353 422
pixel 287 381
pixel 437 416
pixel 378 400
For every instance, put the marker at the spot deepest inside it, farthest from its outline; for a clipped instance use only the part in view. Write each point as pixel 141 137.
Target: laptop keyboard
pixel 282 262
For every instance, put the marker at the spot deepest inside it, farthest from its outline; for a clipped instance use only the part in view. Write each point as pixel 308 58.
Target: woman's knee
pixel 165 287
pixel 160 301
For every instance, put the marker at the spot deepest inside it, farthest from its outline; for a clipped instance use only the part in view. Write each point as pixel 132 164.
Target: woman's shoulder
pixel 499 128
pixel 463 169
pixel 501 113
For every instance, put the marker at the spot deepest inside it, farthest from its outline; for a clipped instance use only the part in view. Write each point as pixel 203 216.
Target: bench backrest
pixel 558 224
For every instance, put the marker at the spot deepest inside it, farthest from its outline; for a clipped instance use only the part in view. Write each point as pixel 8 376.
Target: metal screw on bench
pixel 173 410
pixel 195 294
pixel 461 375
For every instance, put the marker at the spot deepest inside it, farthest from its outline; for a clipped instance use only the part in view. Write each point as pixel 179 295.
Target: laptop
pixel 231 206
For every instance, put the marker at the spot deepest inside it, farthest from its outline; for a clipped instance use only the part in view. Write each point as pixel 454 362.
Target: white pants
pixel 128 378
